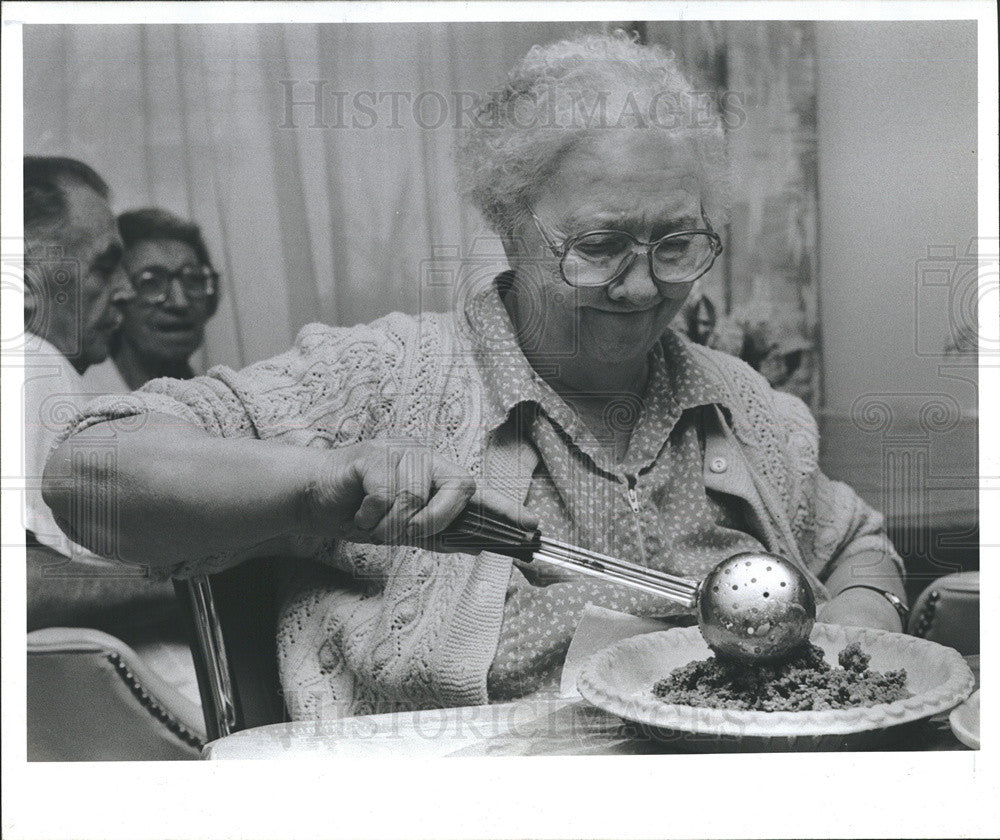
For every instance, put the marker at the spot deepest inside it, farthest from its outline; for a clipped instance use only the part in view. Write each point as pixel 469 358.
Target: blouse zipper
pixel 633 502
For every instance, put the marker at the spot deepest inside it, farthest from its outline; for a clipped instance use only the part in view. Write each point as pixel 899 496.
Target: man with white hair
pixel 73 282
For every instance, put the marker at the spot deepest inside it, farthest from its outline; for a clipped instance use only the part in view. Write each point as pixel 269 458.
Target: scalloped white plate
pixel 620 680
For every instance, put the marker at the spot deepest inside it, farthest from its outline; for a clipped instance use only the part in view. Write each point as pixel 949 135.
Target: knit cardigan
pixel 365 629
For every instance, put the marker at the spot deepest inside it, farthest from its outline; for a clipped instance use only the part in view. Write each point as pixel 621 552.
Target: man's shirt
pixel 53 394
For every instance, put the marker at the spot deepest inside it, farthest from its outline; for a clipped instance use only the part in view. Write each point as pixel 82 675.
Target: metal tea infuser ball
pixel 755 606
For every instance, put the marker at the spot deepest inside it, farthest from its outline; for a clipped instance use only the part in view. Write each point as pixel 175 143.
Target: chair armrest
pixel 947 612
pixel 91 698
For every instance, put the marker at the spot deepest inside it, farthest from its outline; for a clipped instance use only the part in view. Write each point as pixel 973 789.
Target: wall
pixel 897 204
pixel 897 175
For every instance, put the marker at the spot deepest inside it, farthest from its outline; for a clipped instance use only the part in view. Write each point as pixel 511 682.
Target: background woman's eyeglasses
pixel 152 284
pixel 599 257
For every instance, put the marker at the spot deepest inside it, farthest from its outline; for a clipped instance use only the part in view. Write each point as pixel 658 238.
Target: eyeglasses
pixel 599 257
pixel 152 284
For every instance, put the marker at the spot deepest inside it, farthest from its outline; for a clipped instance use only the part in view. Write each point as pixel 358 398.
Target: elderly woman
pixel 558 385
pixel 176 292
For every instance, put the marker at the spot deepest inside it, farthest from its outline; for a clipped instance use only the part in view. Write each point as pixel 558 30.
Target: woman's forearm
pixel 877 570
pixel 169 492
pixel 860 606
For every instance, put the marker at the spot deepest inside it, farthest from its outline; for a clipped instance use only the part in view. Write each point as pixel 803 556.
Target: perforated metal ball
pixel 756 607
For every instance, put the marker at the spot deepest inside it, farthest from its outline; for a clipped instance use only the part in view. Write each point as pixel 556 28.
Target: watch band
pixel 901 609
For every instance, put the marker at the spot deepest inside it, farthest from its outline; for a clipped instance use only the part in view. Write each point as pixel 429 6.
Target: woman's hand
pixel 861 608
pixel 392 493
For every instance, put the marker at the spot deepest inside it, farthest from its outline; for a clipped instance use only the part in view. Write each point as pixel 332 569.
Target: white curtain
pixel 306 223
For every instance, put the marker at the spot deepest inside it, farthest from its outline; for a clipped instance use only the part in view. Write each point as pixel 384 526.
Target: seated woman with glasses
pixel 559 384
pixel 177 291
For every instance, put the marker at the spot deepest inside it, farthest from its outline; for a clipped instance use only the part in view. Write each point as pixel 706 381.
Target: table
pixel 556 721
pixel 543 724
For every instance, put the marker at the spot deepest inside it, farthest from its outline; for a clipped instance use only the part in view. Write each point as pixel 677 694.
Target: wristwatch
pixel 901 609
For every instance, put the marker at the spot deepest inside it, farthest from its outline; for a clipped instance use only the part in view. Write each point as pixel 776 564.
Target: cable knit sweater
pixel 377 628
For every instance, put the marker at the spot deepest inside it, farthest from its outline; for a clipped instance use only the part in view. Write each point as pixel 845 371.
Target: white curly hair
pixel 561 93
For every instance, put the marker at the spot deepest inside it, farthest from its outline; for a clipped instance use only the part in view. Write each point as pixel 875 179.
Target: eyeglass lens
pixel 154 283
pixel 599 257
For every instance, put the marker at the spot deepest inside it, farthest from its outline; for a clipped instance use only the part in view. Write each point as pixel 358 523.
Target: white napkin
pixel 600 628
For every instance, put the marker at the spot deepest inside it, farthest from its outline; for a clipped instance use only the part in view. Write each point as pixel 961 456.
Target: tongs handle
pixel 475 530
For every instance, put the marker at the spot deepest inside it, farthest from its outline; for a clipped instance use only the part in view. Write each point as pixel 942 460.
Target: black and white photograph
pixel 402 386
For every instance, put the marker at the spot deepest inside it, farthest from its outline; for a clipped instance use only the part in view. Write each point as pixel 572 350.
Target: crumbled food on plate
pixel 803 682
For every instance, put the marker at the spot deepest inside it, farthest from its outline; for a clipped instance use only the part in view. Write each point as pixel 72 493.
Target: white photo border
pixel 800 795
